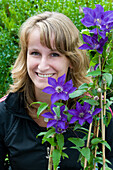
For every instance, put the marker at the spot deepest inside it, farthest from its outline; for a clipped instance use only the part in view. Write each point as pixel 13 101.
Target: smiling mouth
pixel 44 75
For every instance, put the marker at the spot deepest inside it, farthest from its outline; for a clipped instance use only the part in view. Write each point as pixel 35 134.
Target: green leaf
pixel 94 73
pixel 95 141
pixel 56 155
pixel 77 93
pixel 57 111
pixel 64 155
pixel 86 153
pixel 83 86
pixel 77 126
pixel 107 168
pixel 107 118
pixel 60 140
pixel 111 98
pixel 92 102
pixel 77 141
pixel 74 147
pixel 61 104
pixel 51 141
pixel 106 144
pixel 48 134
pixel 40 134
pixel 41 108
pixel 108 78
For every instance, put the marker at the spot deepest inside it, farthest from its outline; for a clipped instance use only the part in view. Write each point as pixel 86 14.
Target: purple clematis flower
pixel 94 68
pixel 59 89
pixel 93 43
pixel 59 122
pixel 97 16
pixel 83 113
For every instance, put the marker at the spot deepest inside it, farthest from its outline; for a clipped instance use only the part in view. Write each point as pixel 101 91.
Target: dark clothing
pixel 18 133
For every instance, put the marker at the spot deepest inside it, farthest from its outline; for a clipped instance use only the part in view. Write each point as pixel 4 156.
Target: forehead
pixel 37 37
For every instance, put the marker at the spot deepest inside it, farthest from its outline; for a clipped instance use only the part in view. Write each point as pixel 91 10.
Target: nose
pixel 43 64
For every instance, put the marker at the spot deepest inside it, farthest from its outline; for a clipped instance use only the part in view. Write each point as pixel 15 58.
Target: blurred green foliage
pixel 14 12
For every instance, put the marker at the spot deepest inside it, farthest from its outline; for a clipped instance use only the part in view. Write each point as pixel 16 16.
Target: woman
pixel 49 48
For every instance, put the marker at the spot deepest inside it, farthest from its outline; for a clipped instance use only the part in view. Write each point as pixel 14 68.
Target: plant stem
pixel 88 141
pixel 50 165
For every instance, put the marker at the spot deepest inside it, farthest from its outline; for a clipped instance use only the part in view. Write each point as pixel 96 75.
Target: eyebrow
pixel 30 48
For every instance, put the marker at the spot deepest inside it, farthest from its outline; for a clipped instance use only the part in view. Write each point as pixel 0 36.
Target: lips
pixel 44 75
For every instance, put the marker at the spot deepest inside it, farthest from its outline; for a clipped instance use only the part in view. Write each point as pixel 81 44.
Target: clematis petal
pixel 72 112
pixel 86 23
pixel 102 33
pixel 87 39
pixel 109 15
pixel 87 10
pixel 96 66
pixel 63 117
pixel 49 90
pixel 51 123
pixel 61 124
pixel 63 96
pixel 103 41
pixel 62 108
pixel 79 107
pixel 72 90
pixel 81 121
pixel 97 110
pixel 86 106
pixel 52 81
pixel 68 85
pixel 89 120
pixel 55 97
pixel 73 119
pixel 100 50
pixel 99 10
pixel 48 115
pixel 94 31
pixel 85 47
pixel 61 80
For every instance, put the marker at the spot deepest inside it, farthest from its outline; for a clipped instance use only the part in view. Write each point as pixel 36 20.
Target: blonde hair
pixel 66 42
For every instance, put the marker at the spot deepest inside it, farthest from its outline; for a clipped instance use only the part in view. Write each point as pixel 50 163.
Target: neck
pixel 43 97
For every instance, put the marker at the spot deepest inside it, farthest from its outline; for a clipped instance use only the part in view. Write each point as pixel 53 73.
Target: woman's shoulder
pixel 2 106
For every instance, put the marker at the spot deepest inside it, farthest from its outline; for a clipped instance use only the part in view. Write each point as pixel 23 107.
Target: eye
pixel 55 55
pixel 35 53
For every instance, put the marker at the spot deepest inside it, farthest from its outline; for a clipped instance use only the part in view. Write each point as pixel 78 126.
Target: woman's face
pixel 43 62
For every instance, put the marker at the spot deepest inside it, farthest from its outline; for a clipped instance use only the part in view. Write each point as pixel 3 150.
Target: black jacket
pixel 18 133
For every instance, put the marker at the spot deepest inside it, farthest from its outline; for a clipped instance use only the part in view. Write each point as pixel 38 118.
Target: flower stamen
pixel 59 89
pixel 81 114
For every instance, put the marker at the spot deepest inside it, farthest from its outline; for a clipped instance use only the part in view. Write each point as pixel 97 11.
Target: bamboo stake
pixel 88 141
pixel 102 123
pixel 50 165
pixel 96 134
pixel 103 127
pixel 103 133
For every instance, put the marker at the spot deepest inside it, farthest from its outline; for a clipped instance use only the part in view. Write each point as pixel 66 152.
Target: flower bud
pixel 96 98
pixel 99 90
pixel 80 9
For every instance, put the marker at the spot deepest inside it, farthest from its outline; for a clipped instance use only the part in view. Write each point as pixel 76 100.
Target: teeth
pixel 45 75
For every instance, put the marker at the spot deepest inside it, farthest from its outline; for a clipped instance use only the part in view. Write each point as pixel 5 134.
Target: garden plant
pixel 93 107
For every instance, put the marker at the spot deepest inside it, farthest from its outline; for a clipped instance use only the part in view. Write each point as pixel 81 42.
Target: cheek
pixel 31 63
